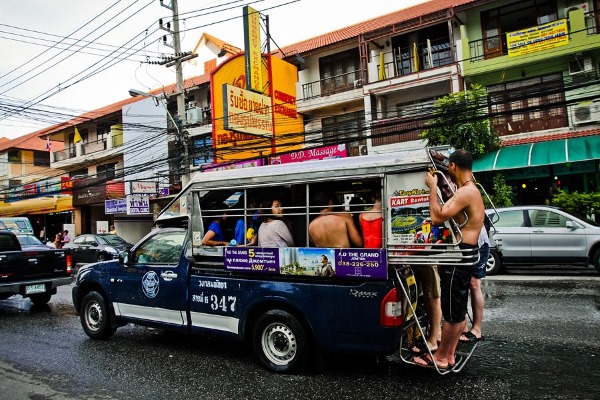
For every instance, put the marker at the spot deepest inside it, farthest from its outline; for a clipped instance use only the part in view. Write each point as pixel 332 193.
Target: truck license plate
pixel 35 289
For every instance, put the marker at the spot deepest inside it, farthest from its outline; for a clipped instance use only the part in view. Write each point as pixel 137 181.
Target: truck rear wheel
pixel 39 299
pixel 95 316
pixel 281 342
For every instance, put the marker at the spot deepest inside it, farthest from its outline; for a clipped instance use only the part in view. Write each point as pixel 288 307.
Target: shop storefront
pixel 537 170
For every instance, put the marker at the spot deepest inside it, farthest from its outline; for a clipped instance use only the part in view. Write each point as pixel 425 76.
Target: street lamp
pixel 181 135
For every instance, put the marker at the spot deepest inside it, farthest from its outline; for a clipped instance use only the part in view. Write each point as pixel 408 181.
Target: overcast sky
pixel 53 83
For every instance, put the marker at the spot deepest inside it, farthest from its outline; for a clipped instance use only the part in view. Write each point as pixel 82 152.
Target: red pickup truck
pixel 31 273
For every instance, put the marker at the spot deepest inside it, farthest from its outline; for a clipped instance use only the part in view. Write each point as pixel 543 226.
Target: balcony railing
pixel 497 44
pixel 396 130
pixel 93 147
pixel 433 54
pixel 65 154
pixel 332 85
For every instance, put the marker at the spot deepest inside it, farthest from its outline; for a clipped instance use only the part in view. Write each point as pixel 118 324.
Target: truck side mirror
pixel 124 257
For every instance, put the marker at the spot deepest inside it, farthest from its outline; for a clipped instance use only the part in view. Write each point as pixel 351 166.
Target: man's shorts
pixel 428 280
pixel 484 254
pixel 455 289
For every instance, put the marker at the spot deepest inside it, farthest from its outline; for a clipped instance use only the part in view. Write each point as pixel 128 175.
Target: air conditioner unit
pixel 586 113
pixel 583 6
pixel 581 66
pixel 362 150
pixel 193 115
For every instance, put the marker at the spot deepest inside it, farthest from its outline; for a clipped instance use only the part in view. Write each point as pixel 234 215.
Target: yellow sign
pixel 537 38
pixel 247 112
pixel 287 124
pixel 253 51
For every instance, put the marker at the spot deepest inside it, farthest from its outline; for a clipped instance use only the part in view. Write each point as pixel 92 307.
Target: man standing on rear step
pixel 455 279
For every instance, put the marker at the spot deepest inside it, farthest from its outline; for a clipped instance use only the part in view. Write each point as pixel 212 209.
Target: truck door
pixel 151 285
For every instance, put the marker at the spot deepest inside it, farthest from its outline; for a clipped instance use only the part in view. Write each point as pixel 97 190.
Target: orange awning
pixel 39 205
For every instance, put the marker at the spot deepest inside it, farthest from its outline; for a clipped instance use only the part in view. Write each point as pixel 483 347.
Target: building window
pixel 513 17
pixel 432 45
pixel 79 173
pixel 41 158
pixel 106 171
pixel 202 151
pixel 339 71
pixel 14 156
pixel 346 128
pixel 528 105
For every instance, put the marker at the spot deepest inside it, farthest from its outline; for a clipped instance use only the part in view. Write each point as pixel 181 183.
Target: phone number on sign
pixel 365 264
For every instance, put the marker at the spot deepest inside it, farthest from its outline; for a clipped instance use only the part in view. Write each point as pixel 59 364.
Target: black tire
pixel 101 257
pixel 494 263
pixel 596 260
pixel 39 299
pixel 281 342
pixel 95 316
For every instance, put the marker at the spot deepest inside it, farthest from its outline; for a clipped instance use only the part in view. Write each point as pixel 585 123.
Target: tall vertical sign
pixel 252 46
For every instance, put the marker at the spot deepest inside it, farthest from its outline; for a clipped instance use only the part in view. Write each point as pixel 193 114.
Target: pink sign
pixel 319 153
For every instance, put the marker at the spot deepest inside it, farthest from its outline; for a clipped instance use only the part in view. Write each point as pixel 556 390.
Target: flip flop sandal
pixel 429 363
pixel 471 338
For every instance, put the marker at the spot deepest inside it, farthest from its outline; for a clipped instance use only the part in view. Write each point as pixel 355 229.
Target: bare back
pixel 334 230
pixel 468 199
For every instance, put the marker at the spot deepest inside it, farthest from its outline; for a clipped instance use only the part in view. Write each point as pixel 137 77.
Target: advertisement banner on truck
pixel 308 261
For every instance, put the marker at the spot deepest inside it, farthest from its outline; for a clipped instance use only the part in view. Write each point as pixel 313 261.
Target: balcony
pixel 93 147
pixel 492 51
pixel 100 149
pixel 429 55
pixel 396 130
pixel 331 85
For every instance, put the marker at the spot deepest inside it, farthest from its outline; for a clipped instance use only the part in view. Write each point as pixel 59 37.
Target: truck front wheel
pixel 281 342
pixel 95 316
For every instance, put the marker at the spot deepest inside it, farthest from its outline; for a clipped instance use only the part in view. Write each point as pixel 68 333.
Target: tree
pixel 580 203
pixel 461 120
pixel 503 195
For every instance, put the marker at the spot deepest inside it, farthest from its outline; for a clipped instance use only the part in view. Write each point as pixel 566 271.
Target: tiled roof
pixel 221 44
pixel 31 141
pixel 547 138
pixel 353 31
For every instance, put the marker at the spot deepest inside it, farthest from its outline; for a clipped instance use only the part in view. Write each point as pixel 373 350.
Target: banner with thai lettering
pixel 537 38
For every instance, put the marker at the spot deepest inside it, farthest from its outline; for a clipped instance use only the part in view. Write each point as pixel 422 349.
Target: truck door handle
pixel 168 275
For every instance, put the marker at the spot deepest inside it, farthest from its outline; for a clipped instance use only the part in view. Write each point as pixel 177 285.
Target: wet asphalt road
pixel 542 342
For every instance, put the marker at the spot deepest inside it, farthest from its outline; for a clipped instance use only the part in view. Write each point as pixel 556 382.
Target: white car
pixel 542 235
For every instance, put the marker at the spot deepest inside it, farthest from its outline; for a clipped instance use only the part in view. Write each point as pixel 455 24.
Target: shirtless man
pixel 455 279
pixel 333 229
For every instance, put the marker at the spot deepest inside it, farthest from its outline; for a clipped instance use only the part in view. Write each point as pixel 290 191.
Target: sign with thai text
pixel 138 205
pixel 537 38
pixel 308 261
pixel 116 206
pixel 247 111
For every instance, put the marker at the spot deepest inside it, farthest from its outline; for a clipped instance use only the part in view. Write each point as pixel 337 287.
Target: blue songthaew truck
pixel 275 298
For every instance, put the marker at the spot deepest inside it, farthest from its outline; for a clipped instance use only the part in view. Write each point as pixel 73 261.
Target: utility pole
pixel 183 133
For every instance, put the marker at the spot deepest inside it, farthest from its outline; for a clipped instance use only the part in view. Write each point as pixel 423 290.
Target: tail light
pixel 69 264
pixel 391 310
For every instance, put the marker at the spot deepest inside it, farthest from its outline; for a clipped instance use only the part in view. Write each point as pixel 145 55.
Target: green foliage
pixel 460 120
pixel 581 203
pixel 502 196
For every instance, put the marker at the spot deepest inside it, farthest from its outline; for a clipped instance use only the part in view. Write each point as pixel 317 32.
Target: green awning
pixel 542 153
